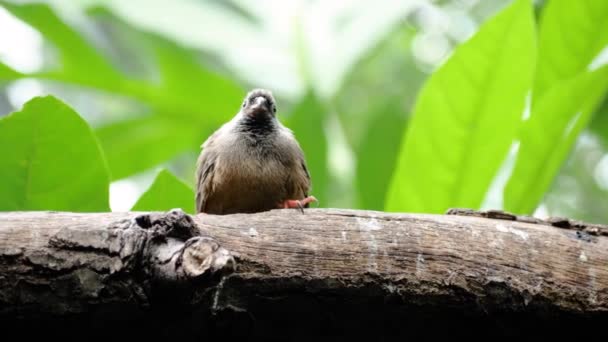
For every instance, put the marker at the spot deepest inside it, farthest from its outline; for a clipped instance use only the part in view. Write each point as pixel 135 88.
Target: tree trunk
pixel 288 276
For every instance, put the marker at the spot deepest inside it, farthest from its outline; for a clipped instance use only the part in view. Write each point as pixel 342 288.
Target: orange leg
pixel 299 204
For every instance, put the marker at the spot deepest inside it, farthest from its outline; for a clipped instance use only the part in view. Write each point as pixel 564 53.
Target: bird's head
pixel 259 104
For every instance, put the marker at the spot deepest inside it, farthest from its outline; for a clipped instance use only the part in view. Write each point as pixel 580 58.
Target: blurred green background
pixel 411 105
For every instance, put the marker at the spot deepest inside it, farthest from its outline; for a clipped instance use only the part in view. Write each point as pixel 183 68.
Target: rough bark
pixel 289 275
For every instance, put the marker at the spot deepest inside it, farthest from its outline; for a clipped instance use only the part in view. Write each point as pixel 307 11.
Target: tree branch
pixel 323 268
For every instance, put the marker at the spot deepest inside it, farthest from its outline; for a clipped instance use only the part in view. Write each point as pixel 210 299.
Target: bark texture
pixel 290 276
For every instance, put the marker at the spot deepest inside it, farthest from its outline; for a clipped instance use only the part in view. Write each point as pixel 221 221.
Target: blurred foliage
pixel 306 118
pixel 182 85
pixel 566 53
pixel 376 159
pixel 404 116
pixel 140 143
pixel 165 193
pixel 599 126
pixel 565 96
pixel 560 115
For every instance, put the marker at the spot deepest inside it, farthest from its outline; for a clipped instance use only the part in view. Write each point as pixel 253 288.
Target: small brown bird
pixel 252 163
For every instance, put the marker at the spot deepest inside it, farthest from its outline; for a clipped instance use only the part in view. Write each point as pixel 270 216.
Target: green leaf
pixel 50 160
pixel 572 33
pixel 548 136
pixel 80 61
pixel 8 74
pixel 137 144
pixel 377 155
pixel 166 192
pixel 307 123
pixel 466 117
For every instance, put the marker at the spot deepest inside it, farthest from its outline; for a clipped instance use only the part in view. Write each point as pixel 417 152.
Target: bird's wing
pixel 307 184
pixel 204 173
pixel 204 182
pixel 299 183
pixel 301 177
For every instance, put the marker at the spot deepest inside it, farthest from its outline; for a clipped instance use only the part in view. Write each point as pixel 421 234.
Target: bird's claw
pixel 301 207
pixel 299 204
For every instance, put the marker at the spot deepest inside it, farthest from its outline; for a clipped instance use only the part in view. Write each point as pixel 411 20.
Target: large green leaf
pixel 136 144
pixel 307 123
pixel 572 33
pixel 166 193
pixel 466 117
pixel 50 160
pixel 548 136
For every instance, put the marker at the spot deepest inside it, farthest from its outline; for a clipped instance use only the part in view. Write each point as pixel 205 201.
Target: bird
pixel 252 163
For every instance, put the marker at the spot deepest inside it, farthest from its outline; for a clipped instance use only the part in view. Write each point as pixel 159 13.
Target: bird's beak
pixel 259 101
pixel 259 105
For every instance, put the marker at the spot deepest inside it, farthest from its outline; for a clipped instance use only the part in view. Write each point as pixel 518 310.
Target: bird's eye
pixel 244 103
pixel 274 109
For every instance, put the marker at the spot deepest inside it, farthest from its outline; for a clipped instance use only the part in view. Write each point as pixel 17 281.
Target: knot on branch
pixel 156 250
pixel 177 252
pixel 201 254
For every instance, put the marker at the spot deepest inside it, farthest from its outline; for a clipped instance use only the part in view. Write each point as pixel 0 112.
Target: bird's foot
pixel 299 204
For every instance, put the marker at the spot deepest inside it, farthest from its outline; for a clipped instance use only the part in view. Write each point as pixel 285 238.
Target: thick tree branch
pixel 319 269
